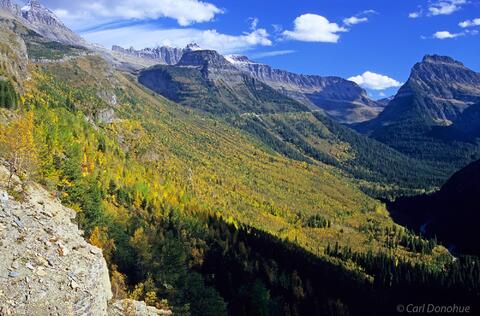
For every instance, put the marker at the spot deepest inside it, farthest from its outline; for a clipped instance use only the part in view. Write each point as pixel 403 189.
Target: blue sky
pixel 374 42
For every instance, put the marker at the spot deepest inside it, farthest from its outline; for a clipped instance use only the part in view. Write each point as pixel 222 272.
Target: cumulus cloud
pixel 374 81
pixel 85 14
pixel 446 35
pixel 470 23
pixel 180 37
pixel 446 7
pixel 314 28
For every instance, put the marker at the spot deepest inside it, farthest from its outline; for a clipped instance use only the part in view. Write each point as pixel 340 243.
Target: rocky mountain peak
pixel 239 59
pixel 203 58
pixel 437 93
pixel 193 47
pixel 10 7
pixel 40 19
pixel 445 78
pixel 437 59
pixel 6 4
pixel 34 11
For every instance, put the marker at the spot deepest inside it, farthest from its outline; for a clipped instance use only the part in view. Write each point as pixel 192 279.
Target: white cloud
pixel 446 35
pixel 86 14
pixel 208 39
pixel 359 18
pixel 438 7
pixel 314 28
pixel 446 7
pixel 470 23
pixel 254 23
pixel 273 53
pixel 414 15
pixel 354 20
pixel 374 81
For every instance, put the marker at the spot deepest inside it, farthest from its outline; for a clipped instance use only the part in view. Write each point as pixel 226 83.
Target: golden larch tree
pixel 17 146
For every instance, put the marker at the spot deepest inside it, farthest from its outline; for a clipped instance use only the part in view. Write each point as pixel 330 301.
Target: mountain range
pixel 217 185
pixel 339 98
pixel 207 81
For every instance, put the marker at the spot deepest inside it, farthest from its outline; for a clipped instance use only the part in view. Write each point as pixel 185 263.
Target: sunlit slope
pixel 200 164
pixel 213 86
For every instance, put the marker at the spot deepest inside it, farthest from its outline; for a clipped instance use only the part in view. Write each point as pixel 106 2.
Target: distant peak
pixel 203 58
pixel 437 59
pixel 32 5
pixel 193 47
pixel 239 59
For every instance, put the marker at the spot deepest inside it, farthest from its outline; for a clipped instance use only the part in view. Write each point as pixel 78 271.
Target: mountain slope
pixel 341 99
pixel 452 213
pixel 43 21
pixel 190 209
pixel 206 81
pixel 439 93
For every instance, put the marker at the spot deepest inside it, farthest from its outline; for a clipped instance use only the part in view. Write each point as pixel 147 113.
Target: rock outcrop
pixel 43 21
pixel 130 307
pixel 46 267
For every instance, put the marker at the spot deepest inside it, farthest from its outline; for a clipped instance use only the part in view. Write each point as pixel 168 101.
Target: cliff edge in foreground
pixel 46 267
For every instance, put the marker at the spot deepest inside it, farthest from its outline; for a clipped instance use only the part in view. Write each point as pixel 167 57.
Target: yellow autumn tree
pixel 99 238
pixel 17 146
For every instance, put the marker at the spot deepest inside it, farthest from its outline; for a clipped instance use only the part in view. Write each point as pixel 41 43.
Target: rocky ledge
pixel 46 267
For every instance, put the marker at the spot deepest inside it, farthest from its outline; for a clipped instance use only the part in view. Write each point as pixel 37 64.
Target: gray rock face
pixel 43 21
pixel 445 79
pixel 161 55
pixel 212 65
pixel 135 308
pixel 437 92
pixel 46 267
pixel 342 99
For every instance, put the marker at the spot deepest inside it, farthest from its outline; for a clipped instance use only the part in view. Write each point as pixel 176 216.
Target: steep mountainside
pixel 206 81
pixel 43 21
pixel 194 213
pixel 438 94
pixel 438 90
pixel 160 55
pixel 341 99
pixel 452 213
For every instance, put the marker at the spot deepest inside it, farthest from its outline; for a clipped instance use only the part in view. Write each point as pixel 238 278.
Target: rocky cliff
pixel 342 99
pixel 46 267
pixel 160 55
pixel 43 21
